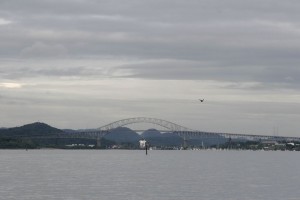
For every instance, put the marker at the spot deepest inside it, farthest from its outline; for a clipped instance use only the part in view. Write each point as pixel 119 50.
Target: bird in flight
pixel 201 100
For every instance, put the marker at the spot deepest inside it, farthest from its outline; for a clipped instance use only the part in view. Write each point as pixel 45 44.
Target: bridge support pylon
pixel 185 145
pixel 98 143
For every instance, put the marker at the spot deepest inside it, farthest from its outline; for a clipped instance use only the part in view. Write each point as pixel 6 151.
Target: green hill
pixel 123 135
pixel 30 130
pixel 155 138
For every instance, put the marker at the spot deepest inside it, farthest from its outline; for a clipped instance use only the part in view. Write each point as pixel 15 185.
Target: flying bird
pixel 201 100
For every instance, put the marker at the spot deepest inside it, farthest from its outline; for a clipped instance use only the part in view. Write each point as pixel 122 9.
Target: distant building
pixel 269 142
pixel 142 144
pixel 291 143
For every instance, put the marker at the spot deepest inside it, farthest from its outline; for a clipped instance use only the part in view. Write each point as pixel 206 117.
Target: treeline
pixel 60 143
pixel 261 145
pixel 14 143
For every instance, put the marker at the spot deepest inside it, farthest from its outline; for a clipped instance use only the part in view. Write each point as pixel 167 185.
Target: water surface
pixel 162 175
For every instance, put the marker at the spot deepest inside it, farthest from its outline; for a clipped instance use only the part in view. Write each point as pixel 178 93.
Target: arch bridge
pixel 172 127
pixel 181 131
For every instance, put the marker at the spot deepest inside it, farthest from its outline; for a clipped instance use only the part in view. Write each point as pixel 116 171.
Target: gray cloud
pixel 251 41
pixel 233 48
pixel 42 50
pixel 265 76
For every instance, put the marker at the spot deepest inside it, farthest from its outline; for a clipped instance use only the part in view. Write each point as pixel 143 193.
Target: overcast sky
pixel 86 63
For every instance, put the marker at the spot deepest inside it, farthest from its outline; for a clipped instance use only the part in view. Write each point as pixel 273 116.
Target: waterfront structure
pixel 143 144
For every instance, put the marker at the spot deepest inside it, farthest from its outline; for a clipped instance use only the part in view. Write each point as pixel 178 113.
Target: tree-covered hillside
pixel 30 130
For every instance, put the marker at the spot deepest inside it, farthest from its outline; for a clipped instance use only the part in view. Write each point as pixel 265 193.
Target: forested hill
pixel 34 129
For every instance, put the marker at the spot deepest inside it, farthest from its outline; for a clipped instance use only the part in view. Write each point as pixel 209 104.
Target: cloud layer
pixel 133 58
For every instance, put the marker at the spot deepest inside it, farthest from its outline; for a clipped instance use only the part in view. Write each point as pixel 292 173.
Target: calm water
pixel 125 174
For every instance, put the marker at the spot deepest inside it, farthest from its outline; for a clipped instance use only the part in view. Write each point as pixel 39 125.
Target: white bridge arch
pixel 172 127
pixel 163 123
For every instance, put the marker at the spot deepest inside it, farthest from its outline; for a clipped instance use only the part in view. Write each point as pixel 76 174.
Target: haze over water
pixel 128 174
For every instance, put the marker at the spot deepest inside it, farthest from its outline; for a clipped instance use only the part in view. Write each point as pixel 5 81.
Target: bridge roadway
pixel 97 134
pixel 178 130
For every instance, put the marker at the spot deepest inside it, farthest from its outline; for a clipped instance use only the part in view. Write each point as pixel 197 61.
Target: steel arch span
pixel 163 123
